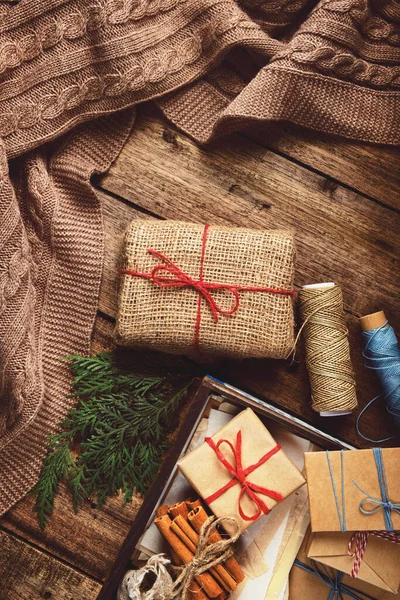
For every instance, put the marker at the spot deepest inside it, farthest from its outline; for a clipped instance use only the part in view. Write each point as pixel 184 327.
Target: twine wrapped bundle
pixel 192 289
pixel 211 551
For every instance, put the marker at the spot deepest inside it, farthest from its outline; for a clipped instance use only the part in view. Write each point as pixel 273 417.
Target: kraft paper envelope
pixel 307 586
pixel 356 466
pixel 380 565
pixel 208 475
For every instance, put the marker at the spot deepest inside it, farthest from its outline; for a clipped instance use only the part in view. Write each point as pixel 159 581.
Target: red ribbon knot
pixel 240 476
pixel 181 279
pixel 169 275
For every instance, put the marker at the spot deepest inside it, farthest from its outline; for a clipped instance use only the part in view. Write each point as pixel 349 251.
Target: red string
pixel 175 277
pixel 239 476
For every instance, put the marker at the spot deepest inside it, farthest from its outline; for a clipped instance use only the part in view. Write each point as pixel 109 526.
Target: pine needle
pixel 121 423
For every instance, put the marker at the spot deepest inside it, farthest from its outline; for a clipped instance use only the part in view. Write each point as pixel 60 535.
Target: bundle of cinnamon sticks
pixel 180 526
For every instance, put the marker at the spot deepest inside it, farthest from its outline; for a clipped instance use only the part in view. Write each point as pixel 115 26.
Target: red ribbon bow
pixel 239 476
pixel 358 544
pixel 180 279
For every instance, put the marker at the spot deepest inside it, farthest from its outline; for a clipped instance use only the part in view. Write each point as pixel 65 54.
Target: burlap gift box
pixel 306 585
pixel 348 491
pixel 178 318
pixel 379 566
pixel 208 475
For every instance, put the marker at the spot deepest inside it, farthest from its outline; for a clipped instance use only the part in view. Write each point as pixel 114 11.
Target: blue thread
pixel 384 503
pixel 341 512
pixel 382 354
pixel 335 583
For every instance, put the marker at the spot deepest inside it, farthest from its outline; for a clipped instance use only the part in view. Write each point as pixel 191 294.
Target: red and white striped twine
pixel 360 539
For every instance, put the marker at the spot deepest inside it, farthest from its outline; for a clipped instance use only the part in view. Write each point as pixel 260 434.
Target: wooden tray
pixel 203 399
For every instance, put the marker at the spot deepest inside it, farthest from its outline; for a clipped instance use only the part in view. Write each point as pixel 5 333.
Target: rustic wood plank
pixel 28 574
pixel 369 169
pixel 341 235
pixel 88 540
pixel 274 380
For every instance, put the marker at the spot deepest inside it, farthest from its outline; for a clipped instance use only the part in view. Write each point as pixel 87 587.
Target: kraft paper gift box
pixel 308 585
pixel 220 291
pixel 213 470
pixel 380 565
pixel 369 498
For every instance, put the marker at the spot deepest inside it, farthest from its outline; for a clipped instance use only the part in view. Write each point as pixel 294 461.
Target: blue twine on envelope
pixel 341 512
pixel 384 503
pixel 337 587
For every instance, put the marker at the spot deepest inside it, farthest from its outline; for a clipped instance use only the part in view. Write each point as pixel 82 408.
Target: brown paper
pixel 306 586
pixel 380 565
pixel 359 466
pixel 207 474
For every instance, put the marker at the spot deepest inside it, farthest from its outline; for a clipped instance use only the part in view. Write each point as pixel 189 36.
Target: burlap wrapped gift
pixel 180 281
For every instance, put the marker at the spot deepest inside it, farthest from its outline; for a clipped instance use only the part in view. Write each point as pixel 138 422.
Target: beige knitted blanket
pixel 66 68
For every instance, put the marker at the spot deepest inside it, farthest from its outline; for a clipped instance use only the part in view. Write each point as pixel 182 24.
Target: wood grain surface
pixel 372 170
pixel 341 197
pixel 28 574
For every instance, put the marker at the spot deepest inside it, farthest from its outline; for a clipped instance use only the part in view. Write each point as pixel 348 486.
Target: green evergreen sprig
pixel 121 425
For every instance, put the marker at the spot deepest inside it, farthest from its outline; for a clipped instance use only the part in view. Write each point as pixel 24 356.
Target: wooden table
pixel 343 199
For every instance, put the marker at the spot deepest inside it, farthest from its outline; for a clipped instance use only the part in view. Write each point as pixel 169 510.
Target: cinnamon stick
pixel 193 503
pixel 197 518
pixel 191 539
pixel 180 523
pixel 179 508
pixel 162 510
pixel 205 580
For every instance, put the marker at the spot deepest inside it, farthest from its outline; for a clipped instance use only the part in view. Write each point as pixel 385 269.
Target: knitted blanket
pixel 67 69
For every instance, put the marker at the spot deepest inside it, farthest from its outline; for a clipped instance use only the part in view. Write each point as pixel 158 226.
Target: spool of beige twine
pixel 328 359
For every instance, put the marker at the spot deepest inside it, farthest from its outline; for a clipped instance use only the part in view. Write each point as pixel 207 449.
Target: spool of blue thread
pixel 382 355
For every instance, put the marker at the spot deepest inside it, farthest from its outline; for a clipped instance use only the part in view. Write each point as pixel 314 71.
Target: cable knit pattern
pixel 12 275
pixel 75 25
pixel 153 71
pixel 67 69
pixel 327 60
pixel 17 300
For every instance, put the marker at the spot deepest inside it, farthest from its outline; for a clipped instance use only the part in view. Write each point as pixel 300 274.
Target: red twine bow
pixel 161 276
pixel 359 541
pixel 240 474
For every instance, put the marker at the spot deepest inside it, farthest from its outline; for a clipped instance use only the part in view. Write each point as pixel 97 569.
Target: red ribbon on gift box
pixel 240 474
pixel 169 275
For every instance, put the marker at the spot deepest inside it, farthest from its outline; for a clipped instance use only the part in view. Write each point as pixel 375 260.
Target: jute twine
pixel 163 586
pixel 327 349
pixel 164 318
